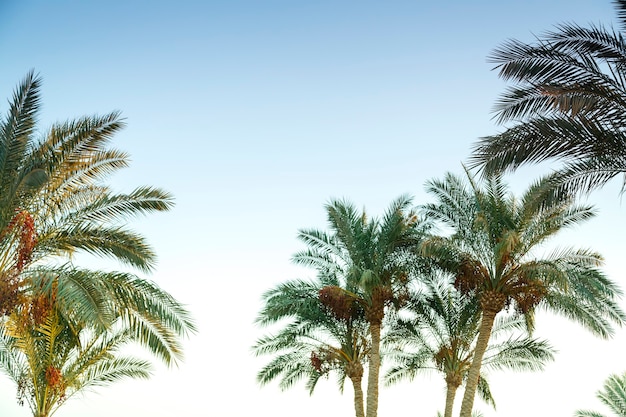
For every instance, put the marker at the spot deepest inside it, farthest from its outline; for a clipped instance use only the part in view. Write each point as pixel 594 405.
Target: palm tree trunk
pixel 450 395
pixel 486 324
pixel 373 371
pixel 358 395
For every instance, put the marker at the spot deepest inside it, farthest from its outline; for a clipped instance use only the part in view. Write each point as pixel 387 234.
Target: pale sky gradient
pixel 254 114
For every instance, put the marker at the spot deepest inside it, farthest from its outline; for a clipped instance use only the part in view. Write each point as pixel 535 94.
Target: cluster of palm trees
pixel 63 328
pixel 454 301
pixel 454 284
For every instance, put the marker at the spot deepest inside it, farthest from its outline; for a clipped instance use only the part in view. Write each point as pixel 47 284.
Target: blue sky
pixel 254 114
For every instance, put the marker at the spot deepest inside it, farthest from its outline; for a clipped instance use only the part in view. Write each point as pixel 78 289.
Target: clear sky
pixel 254 114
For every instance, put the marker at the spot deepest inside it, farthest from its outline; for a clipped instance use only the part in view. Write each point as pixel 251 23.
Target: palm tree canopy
pixel 374 256
pixel 53 196
pixel 568 103
pixel 313 341
pixel 497 245
pixel 56 182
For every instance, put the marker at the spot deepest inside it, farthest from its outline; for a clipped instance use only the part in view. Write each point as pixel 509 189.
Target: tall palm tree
pixel 53 200
pixel 568 104
pixel 441 334
pixel 493 252
pixel 613 395
pixel 376 259
pixel 51 353
pixel 317 338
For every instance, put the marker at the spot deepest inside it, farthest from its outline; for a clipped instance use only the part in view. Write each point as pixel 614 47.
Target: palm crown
pixel 52 198
pixel 315 341
pixel 568 103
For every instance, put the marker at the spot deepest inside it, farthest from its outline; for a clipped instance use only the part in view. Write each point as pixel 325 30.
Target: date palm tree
pixel 568 103
pixel 53 199
pixel 53 203
pixel 318 338
pixel 375 259
pixel 441 335
pixel 493 252
pixel 613 395
pixel 51 353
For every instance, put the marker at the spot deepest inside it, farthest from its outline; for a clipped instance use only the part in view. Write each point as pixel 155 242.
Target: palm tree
pixel 441 334
pixel 376 261
pixel 317 338
pixel 51 353
pixel 613 395
pixel 53 201
pixel 568 104
pixel 494 254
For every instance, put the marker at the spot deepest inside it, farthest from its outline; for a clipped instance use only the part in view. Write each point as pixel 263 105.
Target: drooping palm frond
pixel 157 320
pixel 295 298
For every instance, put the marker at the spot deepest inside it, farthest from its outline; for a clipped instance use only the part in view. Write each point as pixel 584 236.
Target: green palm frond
pixel 321 244
pixel 292 366
pixel 587 174
pixel 75 153
pixel 115 242
pixel 586 413
pixel 409 365
pixel 612 395
pixel 519 354
pixel 290 299
pixel 17 129
pixel 112 208
pixel 108 372
pixel 79 293
pixel 484 392
pixel 12 361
